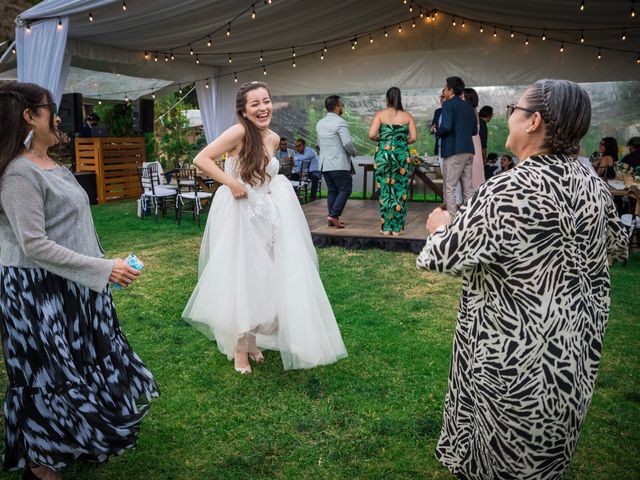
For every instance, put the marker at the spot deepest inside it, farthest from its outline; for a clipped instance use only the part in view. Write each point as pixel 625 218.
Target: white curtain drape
pixel 41 55
pixel 216 105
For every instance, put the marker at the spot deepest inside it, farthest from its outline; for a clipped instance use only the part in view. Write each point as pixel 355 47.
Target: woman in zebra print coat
pixel 533 246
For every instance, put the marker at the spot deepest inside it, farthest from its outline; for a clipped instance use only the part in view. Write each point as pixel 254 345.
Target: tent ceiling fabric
pixel 421 56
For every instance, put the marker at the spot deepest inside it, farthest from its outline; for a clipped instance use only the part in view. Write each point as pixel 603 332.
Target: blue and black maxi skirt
pixel 73 379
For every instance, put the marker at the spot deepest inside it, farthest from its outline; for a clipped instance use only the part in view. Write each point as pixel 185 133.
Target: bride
pixel 258 285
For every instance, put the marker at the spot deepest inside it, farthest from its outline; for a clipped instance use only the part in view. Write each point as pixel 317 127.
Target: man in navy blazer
pixel 458 124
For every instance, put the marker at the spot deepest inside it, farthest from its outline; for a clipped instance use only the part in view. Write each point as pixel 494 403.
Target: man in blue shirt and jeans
pixel 304 153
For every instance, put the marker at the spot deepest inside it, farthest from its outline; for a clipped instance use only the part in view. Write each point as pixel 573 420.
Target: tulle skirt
pixel 259 281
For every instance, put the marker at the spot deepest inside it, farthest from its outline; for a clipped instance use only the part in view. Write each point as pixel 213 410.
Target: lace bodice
pixel 231 168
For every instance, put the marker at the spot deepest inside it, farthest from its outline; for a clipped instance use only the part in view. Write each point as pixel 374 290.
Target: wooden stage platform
pixel 363 226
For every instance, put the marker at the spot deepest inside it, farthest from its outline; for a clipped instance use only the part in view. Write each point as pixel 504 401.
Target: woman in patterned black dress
pixel 533 246
pixel 394 129
pixel 73 380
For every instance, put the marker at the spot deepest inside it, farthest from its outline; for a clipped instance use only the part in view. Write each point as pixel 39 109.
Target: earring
pixel 28 139
pixel 244 115
pixel 528 130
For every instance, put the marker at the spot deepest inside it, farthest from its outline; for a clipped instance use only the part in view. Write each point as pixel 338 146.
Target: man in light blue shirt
pixel 304 153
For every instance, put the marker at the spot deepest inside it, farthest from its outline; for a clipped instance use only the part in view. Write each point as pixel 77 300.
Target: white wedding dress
pixel 258 277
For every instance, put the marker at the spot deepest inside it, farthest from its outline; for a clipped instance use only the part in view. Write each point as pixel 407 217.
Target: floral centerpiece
pixel 416 161
pixel 626 173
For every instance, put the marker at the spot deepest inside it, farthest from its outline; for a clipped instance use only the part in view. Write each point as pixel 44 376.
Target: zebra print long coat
pixel 533 247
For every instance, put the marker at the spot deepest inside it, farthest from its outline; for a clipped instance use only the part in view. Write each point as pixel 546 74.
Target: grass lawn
pixel 375 414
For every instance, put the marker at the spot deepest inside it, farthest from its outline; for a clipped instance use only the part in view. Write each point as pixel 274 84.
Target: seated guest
pixel 307 153
pixel 90 122
pixel 604 164
pixel 633 158
pixel 490 167
pixel 506 163
pixel 284 152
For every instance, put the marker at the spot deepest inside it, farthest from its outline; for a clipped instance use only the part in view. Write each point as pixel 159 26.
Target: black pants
pixel 339 186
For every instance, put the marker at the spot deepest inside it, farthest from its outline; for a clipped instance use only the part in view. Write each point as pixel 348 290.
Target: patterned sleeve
pixel 477 235
pixel 617 235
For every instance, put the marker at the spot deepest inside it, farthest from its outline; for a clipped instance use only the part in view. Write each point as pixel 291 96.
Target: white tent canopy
pixel 420 56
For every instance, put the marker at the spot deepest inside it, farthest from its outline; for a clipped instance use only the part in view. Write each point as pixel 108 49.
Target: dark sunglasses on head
pixel 512 108
pixel 53 107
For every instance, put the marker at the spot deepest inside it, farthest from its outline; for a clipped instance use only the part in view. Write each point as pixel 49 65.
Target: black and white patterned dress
pixel 533 247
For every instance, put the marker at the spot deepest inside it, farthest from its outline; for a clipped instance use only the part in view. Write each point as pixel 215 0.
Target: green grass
pixel 375 414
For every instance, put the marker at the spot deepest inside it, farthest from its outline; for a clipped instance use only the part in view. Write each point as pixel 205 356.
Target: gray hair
pixel 566 110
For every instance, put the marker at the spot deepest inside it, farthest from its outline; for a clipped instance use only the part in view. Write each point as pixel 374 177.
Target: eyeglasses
pixel 53 107
pixel 512 108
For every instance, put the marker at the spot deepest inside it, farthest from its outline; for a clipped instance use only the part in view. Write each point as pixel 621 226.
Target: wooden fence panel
pixel 115 162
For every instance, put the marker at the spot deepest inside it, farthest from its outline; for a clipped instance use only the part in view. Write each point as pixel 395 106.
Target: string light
pixel 261 56
pixel 421 14
pixel 512 34
pixel 464 24
pixel 155 57
pixel 209 43
pixel 59 27
pixel 293 63
pixel 230 60
pixel 264 70
pixel 581 36
pixel 146 55
pixel 632 13
pixel 413 24
pixel 624 34
pixel 495 32
pixel 190 50
pixel 353 45
pixel 235 77
pixel 453 22
pixel 544 35
pixel 481 28
pixel 433 17
pixel 321 55
pixel 173 57
pixel 370 38
pixel 638 59
pixel 90 17
pixel 153 95
pixel 166 58
pixel 526 42
pixel 325 46
pixel 562 47
pixel 197 60
pixel 99 101
pixel 293 51
pixel 124 6
pixel 180 89
pixel 411 8
pixel 435 13
pixel 207 85
pixel 253 15
pixel 29 28
pixel 399 28
pixel 386 35
pixel 229 30
pixel 126 98
pixel 582 5
pixel 13 50
pixel 599 53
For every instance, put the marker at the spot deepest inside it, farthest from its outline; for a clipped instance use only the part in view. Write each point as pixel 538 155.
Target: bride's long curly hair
pixel 253 156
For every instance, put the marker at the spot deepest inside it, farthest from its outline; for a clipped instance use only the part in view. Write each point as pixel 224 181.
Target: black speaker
pixel 87 181
pixel 143 115
pixel 70 112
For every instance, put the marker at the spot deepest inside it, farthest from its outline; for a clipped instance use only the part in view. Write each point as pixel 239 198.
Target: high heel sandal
pixel 257 357
pixel 241 370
